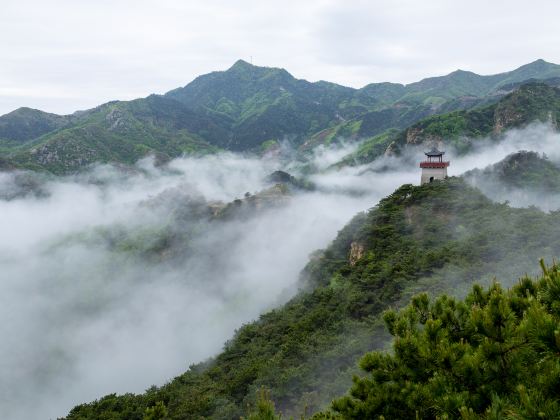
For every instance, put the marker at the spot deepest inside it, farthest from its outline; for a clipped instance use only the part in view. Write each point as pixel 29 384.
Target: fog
pixel 90 301
pixel 85 313
pixel 540 138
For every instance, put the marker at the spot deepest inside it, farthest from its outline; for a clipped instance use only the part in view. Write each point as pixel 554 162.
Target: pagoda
pixel 433 167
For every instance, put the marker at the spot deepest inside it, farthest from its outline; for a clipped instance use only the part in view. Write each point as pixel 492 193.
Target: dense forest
pixel 437 238
pixel 492 355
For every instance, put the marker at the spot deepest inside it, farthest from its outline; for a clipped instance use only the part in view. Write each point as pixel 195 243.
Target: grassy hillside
pixel 244 89
pixel 369 149
pixel 438 238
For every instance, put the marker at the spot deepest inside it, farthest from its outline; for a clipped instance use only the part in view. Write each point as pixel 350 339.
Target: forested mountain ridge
pixel 245 108
pixel 492 355
pixel 25 124
pixel 438 237
pixel 531 102
pixel 465 83
pixel 122 132
pixel 524 170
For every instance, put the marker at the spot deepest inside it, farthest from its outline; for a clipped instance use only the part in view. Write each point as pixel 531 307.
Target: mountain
pixel 245 108
pixel 25 124
pixel 521 170
pixel 492 355
pixel 260 103
pixel 123 132
pixel 460 83
pixel 378 125
pixel 440 237
pixel 238 91
pixel 530 102
pixel 522 179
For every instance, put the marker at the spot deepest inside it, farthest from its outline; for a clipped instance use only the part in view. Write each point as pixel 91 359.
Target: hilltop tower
pixel 434 167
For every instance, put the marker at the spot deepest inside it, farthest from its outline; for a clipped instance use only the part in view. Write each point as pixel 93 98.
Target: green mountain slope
pixel 530 102
pixel 244 89
pixel 260 103
pixel 123 132
pixel 439 237
pixel 269 104
pixel 522 170
pixel 538 69
pixel 522 179
pixel 250 108
pixel 460 83
pixel 369 125
pixel 493 355
pixel 385 93
pixel 25 124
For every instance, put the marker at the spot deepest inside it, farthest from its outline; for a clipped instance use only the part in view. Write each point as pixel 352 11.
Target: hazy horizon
pixel 64 56
pixel 240 59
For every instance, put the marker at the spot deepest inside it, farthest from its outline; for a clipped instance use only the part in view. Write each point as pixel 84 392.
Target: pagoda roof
pixel 434 152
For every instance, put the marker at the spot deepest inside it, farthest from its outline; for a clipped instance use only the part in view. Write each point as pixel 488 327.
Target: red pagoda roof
pixel 426 164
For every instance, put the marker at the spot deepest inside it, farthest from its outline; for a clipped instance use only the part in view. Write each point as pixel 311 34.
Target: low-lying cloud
pixel 87 310
pixel 84 315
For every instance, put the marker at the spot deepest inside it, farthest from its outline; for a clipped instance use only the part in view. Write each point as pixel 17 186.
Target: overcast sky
pixel 65 55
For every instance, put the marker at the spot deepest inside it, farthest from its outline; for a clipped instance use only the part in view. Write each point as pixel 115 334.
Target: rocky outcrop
pixel 505 118
pixel 68 155
pixel 357 251
pixel 117 120
pixel 417 135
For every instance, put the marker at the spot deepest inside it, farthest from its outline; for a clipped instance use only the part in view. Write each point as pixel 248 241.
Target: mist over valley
pixel 118 278
pixel 232 248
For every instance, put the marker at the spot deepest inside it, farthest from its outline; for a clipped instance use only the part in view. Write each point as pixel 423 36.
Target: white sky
pixel 64 55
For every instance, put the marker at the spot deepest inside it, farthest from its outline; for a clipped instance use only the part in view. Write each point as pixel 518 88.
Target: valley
pixel 237 241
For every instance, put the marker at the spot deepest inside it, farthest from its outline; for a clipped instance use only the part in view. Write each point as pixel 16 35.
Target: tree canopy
pixel 493 355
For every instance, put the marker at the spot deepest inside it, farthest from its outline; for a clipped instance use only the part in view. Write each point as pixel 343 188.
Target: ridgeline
pixel 437 238
pixel 253 109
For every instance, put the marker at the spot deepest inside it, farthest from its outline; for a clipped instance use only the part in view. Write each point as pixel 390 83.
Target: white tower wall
pixel 431 174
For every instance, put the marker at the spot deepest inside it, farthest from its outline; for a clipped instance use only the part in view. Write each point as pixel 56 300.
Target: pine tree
pixel 264 409
pixel 156 412
pixel 493 355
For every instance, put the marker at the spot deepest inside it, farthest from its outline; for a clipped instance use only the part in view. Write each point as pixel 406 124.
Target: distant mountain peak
pixel 537 65
pixel 243 69
pixel 461 71
pixel 246 107
pixel 241 64
pixel 25 110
